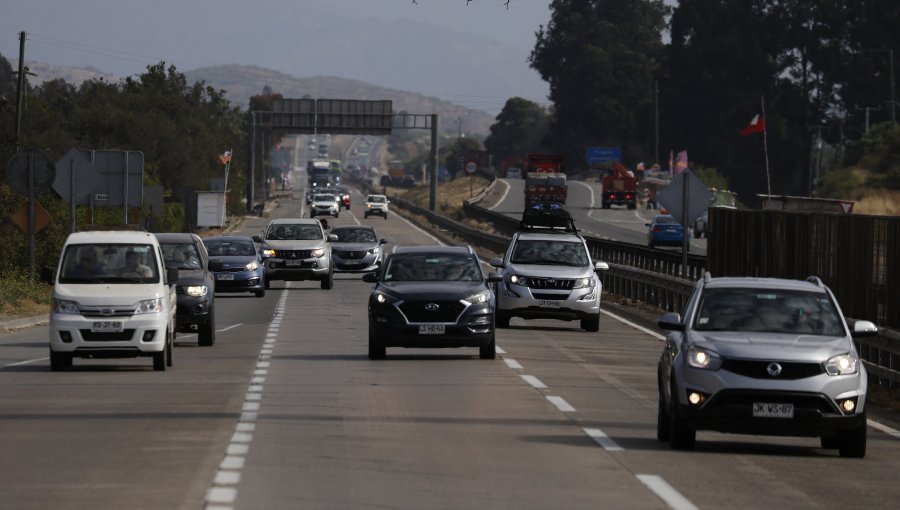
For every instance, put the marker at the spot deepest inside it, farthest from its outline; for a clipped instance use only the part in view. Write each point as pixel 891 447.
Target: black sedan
pixel 236 264
pixel 431 296
pixel 195 286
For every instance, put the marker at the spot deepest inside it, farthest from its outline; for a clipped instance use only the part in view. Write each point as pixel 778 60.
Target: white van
pixel 112 298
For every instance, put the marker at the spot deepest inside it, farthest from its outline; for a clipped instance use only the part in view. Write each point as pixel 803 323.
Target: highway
pixel 617 223
pixel 286 411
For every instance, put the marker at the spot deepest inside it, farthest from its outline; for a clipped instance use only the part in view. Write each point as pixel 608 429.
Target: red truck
pixel 619 187
pixel 545 180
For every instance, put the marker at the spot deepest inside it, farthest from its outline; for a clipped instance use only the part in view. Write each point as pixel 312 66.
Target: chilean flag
pixel 757 125
pixel 225 158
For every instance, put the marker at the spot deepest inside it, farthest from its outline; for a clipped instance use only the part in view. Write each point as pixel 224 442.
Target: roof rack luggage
pixel 547 215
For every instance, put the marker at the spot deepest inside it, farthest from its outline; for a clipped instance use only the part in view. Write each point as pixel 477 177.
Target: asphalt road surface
pixel 286 411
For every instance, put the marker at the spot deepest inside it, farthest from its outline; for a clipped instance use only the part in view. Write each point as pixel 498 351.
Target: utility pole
pixel 815 166
pixel 893 99
pixel 432 191
pixel 656 121
pixel 20 92
pixel 867 110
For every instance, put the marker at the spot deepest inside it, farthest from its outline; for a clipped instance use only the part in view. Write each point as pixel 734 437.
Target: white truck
pixel 112 298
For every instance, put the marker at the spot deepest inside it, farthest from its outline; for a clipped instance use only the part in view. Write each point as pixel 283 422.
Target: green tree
pixel 520 129
pixel 600 58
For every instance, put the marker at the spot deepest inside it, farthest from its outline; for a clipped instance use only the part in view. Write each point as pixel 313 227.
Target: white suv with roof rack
pixel 548 272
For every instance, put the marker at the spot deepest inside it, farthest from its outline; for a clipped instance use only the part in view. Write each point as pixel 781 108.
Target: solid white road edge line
pixel 26 362
pixel 654 334
pixel 502 197
pixel 666 492
pixel 884 428
pixel 561 404
pixel 231 327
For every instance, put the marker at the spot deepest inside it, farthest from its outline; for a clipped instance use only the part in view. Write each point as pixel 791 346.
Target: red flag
pixel 225 158
pixel 757 125
pixel 681 161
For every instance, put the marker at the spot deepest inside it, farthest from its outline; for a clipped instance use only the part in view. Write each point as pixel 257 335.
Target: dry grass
pixel 878 202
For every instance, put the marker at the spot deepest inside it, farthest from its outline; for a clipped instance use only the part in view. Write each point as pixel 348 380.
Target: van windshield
pixel 109 263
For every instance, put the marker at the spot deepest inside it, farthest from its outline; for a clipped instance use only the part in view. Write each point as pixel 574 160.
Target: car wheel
pixel 328 282
pixel 852 443
pixel 160 360
pixel 60 360
pixel 385 215
pixel 365 216
pixel 502 319
pixel 488 351
pixel 207 334
pixel 266 283
pixel 681 437
pixel 662 420
pixel 375 351
pixel 337 215
pixel 260 293
pixel 830 442
pixel 170 345
pixel 591 324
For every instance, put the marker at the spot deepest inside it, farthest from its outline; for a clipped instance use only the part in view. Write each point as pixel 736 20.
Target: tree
pixel 600 58
pixel 520 128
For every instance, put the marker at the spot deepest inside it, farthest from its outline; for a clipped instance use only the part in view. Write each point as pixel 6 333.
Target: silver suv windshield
pixel 768 311
pixel 550 252
pixel 294 232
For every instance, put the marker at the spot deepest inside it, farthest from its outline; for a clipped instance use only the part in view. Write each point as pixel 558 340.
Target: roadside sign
pixel 603 155
pixel 42 218
pixel 471 166
pixel 17 171
pixel 672 197
pixel 84 179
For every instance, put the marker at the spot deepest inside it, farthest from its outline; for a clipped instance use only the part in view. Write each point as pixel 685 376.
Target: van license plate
pixel 431 329
pixel 225 276
pixel 107 327
pixel 770 410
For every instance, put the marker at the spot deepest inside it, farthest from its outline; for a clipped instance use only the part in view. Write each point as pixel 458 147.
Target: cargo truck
pixel 545 180
pixel 619 187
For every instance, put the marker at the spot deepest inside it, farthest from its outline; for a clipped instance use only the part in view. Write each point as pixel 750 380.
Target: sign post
pixel 686 198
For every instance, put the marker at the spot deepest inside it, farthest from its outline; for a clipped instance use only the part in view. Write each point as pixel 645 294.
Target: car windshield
pixel 181 255
pixel 294 232
pixel 355 235
pixel 550 252
pixel 230 248
pixel 109 263
pixel 432 268
pixel 324 198
pixel 669 220
pixel 768 311
pixel 376 199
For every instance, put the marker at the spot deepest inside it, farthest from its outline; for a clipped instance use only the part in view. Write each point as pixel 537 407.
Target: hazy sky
pixel 77 32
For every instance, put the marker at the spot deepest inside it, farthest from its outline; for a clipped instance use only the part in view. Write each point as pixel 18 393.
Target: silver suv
pixel 295 249
pixel 763 356
pixel 548 274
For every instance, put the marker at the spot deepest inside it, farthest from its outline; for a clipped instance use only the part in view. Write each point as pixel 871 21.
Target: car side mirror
pixel 257 238
pixel 670 321
pixel 646 224
pixel 496 262
pixel 171 275
pixel 46 275
pixel 370 278
pixel 332 238
pixel 494 276
pixel 383 241
pixel 601 266
pixel 863 329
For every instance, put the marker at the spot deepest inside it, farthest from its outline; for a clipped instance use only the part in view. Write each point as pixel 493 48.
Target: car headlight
pixel 518 280
pixel 703 358
pixel 581 283
pixel 842 364
pixel 66 306
pixel 480 298
pixel 149 306
pixel 318 252
pixel 374 251
pixel 268 252
pixel 196 290
pixel 382 298
pixel 252 265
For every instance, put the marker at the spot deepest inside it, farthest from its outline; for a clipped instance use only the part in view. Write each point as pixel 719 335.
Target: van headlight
pixel 703 358
pixel 842 364
pixel 196 290
pixel 66 306
pixel 149 306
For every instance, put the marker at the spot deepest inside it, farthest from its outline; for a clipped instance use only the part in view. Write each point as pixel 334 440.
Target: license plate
pixel 225 276
pixel 107 327
pixel 548 303
pixel 770 410
pixel 293 262
pixel 431 329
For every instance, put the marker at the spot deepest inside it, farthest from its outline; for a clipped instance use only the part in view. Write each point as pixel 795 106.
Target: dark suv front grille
pixel 447 311
pixel 551 283
pixel 759 369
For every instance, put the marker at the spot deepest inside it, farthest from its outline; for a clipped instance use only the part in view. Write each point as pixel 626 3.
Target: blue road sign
pixel 603 154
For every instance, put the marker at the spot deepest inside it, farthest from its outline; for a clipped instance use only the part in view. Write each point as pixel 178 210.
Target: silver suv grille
pixel 293 254
pixel 551 283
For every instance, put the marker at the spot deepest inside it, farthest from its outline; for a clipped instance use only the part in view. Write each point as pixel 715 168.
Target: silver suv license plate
pixel 431 329
pixel 770 410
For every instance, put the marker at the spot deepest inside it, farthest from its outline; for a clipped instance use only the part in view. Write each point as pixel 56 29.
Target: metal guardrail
pixel 654 277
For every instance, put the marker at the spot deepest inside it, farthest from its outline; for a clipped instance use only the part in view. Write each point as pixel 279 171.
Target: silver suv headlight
pixel 703 358
pixel 318 252
pixel 149 306
pixel 842 364
pixel 518 280
pixel 581 283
